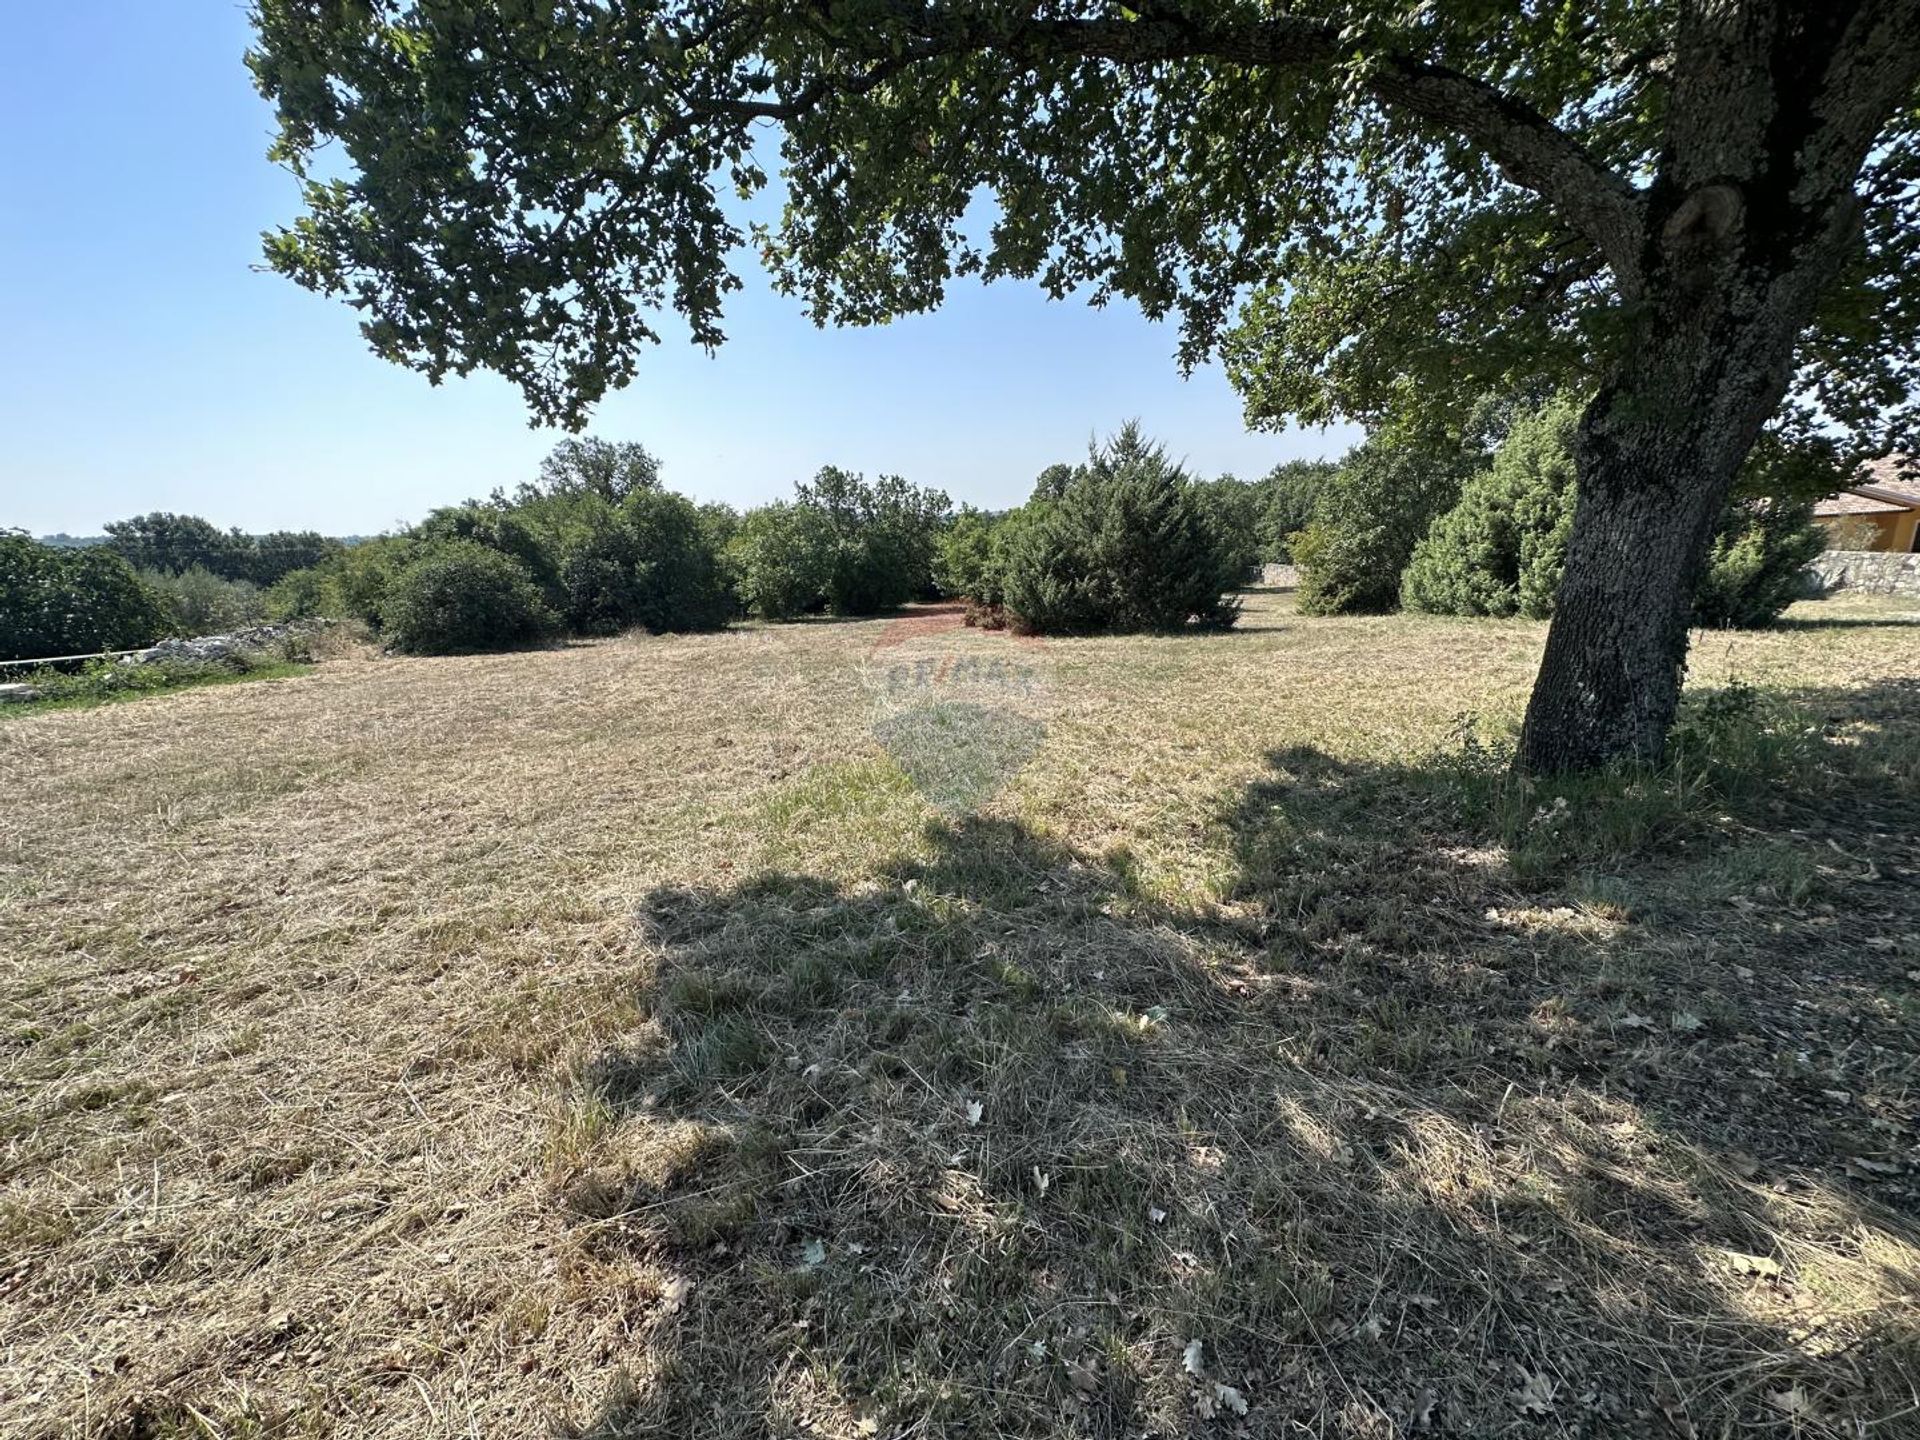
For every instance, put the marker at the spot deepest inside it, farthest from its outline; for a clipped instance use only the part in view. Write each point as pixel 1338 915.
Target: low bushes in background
pixel 1501 549
pixel 198 602
pixel 459 595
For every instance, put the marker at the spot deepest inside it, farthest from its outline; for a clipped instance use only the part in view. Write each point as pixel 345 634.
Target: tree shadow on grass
pixel 1387 1141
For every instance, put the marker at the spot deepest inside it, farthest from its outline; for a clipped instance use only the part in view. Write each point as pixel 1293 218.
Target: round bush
pixel 783 556
pixel 1127 547
pixel 299 595
pixel 462 596
pixel 71 602
pixel 1501 549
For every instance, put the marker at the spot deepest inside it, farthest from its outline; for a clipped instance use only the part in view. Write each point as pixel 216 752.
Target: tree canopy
pixel 1426 202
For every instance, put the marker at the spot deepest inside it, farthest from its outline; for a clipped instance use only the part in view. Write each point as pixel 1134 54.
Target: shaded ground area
pixel 1259 1061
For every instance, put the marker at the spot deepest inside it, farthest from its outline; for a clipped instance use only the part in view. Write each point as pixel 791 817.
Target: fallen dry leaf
pixel 1536 1392
pixel 1195 1358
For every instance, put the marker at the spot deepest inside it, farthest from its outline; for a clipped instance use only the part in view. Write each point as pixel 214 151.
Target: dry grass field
pixel 882 1029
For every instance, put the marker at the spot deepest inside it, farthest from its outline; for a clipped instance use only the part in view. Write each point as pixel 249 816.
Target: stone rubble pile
pixel 219 647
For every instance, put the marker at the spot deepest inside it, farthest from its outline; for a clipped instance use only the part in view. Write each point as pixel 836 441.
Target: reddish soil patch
pixel 938 618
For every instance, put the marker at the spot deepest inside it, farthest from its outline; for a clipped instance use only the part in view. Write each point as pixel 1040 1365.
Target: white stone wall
pixel 1879 572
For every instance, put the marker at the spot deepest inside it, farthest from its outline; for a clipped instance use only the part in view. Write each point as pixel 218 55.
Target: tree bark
pixel 1747 220
pixel 1609 683
pixel 1658 452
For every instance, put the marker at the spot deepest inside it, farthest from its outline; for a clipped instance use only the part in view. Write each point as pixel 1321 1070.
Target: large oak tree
pixel 1703 212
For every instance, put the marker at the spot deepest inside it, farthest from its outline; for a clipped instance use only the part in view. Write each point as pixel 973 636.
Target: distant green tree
pixel 1127 547
pixel 172 543
pixel 884 533
pixel 529 533
pixel 1288 495
pixel 1369 515
pixel 1233 508
pixel 610 469
pixel 357 580
pixel 1052 482
pixel 280 552
pixel 300 595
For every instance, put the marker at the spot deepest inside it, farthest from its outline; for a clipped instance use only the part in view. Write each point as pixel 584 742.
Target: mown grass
pixel 671 1037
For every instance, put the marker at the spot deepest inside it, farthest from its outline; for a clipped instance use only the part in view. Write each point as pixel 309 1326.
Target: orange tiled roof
pixel 1853 502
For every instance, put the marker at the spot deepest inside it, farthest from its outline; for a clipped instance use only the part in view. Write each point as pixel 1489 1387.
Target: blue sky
pixel 144 364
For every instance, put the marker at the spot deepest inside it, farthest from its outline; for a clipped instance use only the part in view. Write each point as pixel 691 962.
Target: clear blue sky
pixel 145 365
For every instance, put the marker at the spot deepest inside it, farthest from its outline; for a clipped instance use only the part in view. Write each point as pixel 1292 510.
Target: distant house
pixel 1881 512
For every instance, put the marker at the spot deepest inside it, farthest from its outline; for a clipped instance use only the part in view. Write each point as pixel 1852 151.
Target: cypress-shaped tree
pixel 1126 547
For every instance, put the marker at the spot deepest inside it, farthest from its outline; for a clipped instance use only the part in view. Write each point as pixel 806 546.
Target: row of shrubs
pixel 81 600
pixel 1126 541
pixel 1479 525
pixel 150 577
pixel 597 546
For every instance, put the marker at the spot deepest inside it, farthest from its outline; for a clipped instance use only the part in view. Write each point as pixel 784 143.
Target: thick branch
pixel 1530 150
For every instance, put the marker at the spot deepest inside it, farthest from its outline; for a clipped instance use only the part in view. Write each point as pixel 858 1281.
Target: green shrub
pixel 460 595
pixel 1127 547
pixel 964 564
pixel 59 601
pixel 1368 517
pixel 1758 563
pixel 300 595
pixel 1767 536
pixel 782 558
pixel 1500 550
pixel 528 534
pixel 647 562
pixel 199 602
pixel 357 580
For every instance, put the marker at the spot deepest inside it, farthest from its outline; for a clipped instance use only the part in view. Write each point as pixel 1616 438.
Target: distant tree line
pixel 1473 523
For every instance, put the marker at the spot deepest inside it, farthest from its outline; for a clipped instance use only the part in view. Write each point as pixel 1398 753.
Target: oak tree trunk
pixel 1616 653
pixel 1774 108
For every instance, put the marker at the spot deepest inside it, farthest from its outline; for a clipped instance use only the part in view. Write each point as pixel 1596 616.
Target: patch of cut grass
pixel 614 1040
